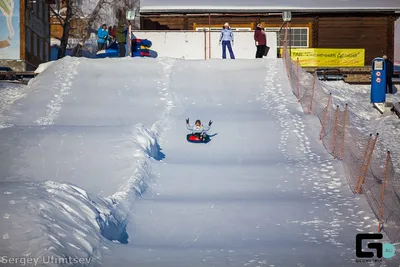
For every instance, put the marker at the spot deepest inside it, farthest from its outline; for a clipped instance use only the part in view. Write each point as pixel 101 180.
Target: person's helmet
pixel 198 121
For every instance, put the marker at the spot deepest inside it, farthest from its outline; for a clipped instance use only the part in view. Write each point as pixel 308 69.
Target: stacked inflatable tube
pixel 141 48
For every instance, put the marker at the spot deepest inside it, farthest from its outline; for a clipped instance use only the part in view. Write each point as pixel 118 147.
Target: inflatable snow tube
pixel 111 51
pixel 141 54
pixel 193 138
pixel 142 42
pixel 108 53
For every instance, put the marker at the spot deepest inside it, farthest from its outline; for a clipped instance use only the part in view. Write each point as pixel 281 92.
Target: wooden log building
pixel 30 44
pixel 331 24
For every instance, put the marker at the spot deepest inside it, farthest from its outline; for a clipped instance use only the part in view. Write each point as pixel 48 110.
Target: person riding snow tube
pixel 199 132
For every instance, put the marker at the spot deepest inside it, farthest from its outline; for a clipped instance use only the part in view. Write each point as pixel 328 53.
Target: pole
pixel 362 165
pixel 312 92
pixel 205 44
pixel 290 39
pixel 383 191
pixel 360 190
pixel 335 131
pixel 209 35
pixel 325 114
pixel 343 133
pixel 297 80
pixel 129 39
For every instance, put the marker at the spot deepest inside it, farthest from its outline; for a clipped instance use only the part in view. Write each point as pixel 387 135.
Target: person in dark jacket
pixel 122 31
pixel 113 31
pixel 260 37
pixel 389 75
pixel 110 37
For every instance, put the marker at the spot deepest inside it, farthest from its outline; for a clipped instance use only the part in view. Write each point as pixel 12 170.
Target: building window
pixel 201 29
pixel 46 52
pixel 35 7
pixel 28 40
pixel 299 36
pixel 46 14
pixel 40 9
pixel 38 46
pixel 41 47
pixel 35 45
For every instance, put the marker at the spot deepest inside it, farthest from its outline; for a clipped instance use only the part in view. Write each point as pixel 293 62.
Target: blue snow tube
pixel 111 51
pixel 139 42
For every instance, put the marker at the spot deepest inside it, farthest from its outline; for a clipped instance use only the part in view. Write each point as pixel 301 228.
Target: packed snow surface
pixel 95 166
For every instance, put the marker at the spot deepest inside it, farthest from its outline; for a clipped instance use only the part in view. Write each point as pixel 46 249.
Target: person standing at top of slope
pixel 198 129
pixel 102 37
pixel 389 75
pixel 226 38
pixel 260 38
pixel 121 36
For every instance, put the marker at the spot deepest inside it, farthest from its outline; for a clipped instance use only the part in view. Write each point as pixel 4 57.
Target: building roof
pixel 261 6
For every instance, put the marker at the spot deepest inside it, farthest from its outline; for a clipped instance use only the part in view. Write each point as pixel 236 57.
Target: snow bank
pixel 148 147
pixel 9 93
pixel 59 219
pixel 63 219
pixel 42 67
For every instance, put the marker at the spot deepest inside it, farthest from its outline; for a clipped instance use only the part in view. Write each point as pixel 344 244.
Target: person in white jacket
pixel 198 128
pixel 226 38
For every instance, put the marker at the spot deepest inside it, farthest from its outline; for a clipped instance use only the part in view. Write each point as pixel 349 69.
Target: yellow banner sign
pixel 327 57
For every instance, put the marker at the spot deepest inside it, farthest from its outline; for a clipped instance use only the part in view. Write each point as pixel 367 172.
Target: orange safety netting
pixel 368 171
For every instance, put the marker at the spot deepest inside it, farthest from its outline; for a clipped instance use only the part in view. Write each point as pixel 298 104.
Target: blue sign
pixel 378 81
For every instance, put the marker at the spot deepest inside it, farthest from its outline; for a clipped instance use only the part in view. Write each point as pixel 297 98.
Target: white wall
pixel 195 45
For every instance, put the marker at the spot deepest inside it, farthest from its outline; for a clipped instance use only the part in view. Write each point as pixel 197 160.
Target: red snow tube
pixel 192 138
pixel 145 54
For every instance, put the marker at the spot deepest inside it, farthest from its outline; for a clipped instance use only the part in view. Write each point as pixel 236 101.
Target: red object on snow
pixel 193 138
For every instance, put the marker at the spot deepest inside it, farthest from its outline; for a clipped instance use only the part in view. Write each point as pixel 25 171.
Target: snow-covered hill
pixel 95 167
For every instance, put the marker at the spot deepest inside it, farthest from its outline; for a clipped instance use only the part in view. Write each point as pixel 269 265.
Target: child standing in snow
pixel 102 37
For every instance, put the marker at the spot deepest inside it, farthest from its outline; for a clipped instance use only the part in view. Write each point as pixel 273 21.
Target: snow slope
pixel 263 192
pixel 95 165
